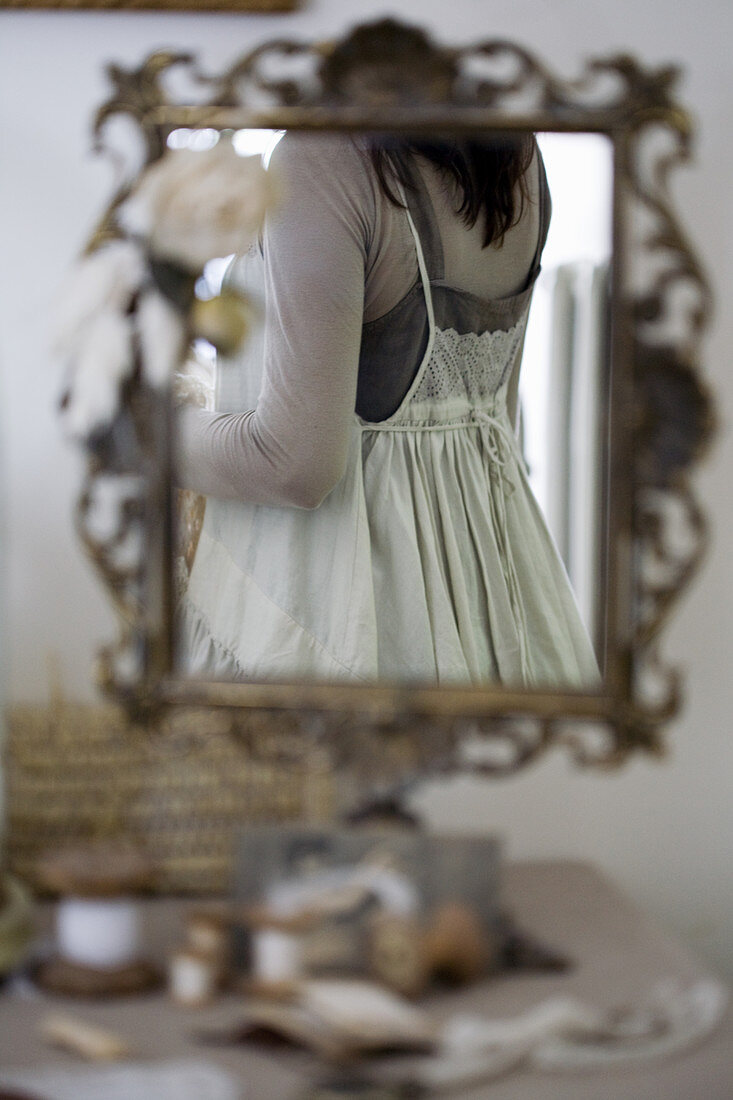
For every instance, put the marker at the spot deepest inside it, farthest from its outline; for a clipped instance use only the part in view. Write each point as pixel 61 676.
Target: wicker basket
pixel 75 772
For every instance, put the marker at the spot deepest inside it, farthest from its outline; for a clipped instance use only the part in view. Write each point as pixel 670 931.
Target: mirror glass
pixel 452 529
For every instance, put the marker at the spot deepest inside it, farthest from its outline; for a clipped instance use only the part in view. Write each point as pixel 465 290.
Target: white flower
pixel 194 382
pixel 194 206
pixel 104 359
pixel 162 335
pixel 104 280
pixel 92 332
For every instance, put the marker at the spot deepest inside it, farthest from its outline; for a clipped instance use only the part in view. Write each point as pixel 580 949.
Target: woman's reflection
pixel 369 513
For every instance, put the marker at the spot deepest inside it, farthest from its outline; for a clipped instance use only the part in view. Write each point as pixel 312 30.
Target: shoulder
pixel 302 148
pixel 327 168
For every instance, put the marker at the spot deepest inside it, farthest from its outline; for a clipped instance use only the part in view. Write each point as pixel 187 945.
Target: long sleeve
pixel 336 254
pixel 291 448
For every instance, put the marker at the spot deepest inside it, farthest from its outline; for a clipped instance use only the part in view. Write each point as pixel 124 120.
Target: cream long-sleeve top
pixel 337 255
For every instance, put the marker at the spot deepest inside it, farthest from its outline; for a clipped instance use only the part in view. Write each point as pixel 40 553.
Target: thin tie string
pixel 497 443
pixel 498 446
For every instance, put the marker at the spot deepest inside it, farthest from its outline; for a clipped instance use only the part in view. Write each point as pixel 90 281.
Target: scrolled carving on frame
pixel 386 75
pixel 674 419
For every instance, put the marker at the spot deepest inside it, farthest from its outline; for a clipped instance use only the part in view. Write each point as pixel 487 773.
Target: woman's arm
pixel 292 448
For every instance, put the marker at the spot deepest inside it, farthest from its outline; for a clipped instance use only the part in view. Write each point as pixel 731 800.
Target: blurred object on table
pixel 98 949
pixel 16 923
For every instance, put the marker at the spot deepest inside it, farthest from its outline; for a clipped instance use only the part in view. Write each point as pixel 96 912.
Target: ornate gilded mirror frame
pixel 389 77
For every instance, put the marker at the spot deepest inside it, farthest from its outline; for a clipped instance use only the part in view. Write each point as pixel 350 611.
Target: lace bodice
pixel 471 365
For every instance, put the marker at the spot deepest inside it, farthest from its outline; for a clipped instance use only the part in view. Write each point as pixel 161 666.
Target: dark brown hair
pixel 489 174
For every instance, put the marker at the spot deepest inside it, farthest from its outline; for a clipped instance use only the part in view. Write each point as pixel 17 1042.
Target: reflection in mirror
pixel 564 372
pixel 371 489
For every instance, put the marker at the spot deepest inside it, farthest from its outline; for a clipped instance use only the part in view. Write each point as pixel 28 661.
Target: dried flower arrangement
pixel 131 306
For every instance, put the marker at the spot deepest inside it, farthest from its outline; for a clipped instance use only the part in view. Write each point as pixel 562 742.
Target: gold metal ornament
pixel 223 321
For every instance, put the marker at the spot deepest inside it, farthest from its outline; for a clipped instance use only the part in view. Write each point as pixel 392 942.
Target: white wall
pixel 663 831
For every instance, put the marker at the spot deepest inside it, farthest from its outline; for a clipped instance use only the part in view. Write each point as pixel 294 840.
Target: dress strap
pixel 419 204
pixel 428 293
pixel 545 211
pixel 413 214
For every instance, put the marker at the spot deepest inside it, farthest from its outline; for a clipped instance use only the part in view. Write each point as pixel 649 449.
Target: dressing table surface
pixel 619 955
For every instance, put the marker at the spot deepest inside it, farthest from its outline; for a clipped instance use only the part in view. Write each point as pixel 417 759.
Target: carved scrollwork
pixel 674 421
pixel 389 66
pixel 387 75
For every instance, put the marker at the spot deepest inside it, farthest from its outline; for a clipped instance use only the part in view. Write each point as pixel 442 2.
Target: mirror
pixel 611 419
pixel 228 562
